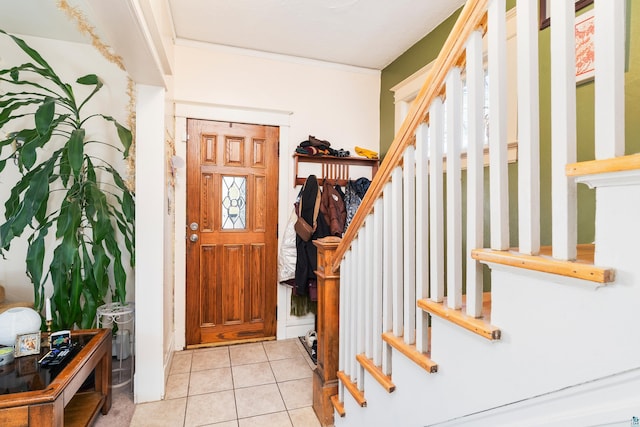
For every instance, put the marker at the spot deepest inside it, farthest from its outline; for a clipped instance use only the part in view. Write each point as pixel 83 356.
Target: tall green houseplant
pixel 70 203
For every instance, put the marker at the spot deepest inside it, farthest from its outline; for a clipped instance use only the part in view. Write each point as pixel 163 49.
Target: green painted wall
pixel 427 49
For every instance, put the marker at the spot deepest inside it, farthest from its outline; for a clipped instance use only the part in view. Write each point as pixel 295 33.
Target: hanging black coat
pixel 307 253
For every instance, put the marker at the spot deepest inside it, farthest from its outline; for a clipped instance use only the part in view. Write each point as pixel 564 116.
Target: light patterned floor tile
pixel 210 408
pixel 279 419
pixel 291 369
pixel 284 349
pixel 247 353
pixel 304 417
pixel 165 413
pixel 210 381
pixel 181 362
pixel 297 393
pixel 213 358
pixel 177 386
pixel 251 375
pixel 258 400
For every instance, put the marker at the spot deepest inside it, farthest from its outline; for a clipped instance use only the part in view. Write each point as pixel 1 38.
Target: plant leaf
pixel 27 207
pixel 100 269
pixel 29 51
pixel 64 168
pixel 27 152
pixel 33 54
pixel 44 115
pixel 88 309
pixel 34 140
pixel 76 288
pixel 124 134
pixel 89 80
pixel 35 256
pixel 70 215
pixel 75 150
pixel 5 114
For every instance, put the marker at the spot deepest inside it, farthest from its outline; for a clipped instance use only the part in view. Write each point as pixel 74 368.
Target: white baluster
pixel 345 267
pixel 475 171
pixel 353 347
pixel 422 234
pixel 387 274
pixel 368 288
pixel 498 171
pixel 376 285
pixel 436 204
pixel 609 42
pixel 360 302
pixel 409 237
pixel 454 189
pixel 346 284
pixel 397 255
pixel 563 130
pixel 528 129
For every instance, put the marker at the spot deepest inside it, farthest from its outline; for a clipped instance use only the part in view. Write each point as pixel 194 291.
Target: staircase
pixel 410 332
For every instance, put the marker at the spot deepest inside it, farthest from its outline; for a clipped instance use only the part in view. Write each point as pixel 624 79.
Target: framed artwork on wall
pixel 585 51
pixel 545 16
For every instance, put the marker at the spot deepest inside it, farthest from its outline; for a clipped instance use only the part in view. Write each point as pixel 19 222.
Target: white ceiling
pixel 363 33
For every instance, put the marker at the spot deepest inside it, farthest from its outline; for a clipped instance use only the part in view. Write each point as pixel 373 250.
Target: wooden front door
pixel 232 217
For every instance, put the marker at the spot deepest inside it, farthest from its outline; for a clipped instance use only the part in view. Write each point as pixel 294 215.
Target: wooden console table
pixel 59 401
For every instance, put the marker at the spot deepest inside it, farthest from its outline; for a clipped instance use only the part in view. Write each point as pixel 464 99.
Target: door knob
pixel 193 237
pixel 193 226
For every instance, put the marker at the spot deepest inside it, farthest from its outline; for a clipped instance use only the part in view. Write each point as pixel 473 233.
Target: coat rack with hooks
pixel 335 169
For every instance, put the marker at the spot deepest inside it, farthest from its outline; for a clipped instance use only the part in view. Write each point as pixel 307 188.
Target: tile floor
pixel 248 385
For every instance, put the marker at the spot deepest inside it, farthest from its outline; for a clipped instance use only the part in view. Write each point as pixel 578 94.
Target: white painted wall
pixel 151 289
pixel 332 102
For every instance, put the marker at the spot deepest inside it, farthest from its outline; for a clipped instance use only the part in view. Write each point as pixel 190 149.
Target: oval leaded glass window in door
pixel 234 202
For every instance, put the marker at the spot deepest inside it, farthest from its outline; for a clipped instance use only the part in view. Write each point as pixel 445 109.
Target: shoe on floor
pixel 310 338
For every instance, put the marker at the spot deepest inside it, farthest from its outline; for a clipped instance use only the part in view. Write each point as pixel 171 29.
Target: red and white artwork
pixel 585 52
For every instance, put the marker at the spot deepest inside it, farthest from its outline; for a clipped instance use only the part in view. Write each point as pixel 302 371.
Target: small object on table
pixel 6 355
pixel 61 348
pixel 45 340
pixel 48 320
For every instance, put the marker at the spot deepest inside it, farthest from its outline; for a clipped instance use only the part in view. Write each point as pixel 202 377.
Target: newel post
pixel 325 380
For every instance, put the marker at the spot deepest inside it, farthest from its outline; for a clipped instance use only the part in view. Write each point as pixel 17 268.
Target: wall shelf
pixel 335 169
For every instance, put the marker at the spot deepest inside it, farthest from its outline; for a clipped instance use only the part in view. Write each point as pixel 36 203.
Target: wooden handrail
pixel 472 17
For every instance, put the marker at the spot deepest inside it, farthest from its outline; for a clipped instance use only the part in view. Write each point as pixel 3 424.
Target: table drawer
pixel 14 417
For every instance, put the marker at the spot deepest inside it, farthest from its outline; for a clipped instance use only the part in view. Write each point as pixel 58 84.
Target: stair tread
pixel 421 359
pixel 592 167
pixel 581 268
pixel 337 405
pixel 352 388
pixel 376 372
pixel 481 326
